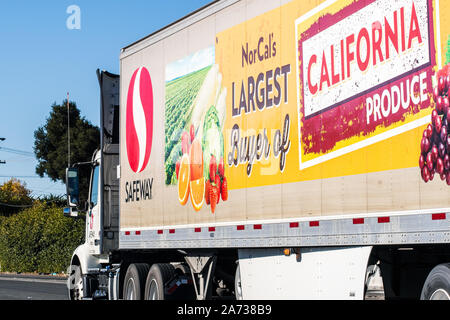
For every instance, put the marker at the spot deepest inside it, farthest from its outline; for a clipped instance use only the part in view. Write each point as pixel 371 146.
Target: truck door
pixel 93 214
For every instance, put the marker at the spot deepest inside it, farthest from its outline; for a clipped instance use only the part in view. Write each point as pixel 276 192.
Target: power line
pixel 17 159
pixel 26 205
pixel 16 206
pixel 14 176
pixel 16 151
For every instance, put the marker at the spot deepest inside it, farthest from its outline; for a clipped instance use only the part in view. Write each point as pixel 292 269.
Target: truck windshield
pixel 94 186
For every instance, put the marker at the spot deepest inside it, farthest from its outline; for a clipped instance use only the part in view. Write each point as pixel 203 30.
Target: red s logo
pixel 139 119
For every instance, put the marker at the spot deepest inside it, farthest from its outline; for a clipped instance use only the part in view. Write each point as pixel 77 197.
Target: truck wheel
pixel 134 283
pixel 437 284
pixel 238 284
pixel 75 283
pixel 160 274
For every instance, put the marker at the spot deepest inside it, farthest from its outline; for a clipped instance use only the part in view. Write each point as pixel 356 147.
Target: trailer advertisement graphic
pixel 300 94
pixel 306 109
pixel 364 75
pixel 195 113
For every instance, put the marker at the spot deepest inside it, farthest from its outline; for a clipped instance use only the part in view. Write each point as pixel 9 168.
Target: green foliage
pixel 51 148
pixel 14 196
pixel 57 200
pixel 39 239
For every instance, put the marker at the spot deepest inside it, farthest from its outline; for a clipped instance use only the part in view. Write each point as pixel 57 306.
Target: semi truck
pixel 273 150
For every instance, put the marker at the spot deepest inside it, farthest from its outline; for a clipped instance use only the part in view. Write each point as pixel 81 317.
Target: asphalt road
pixel 32 288
pixel 47 288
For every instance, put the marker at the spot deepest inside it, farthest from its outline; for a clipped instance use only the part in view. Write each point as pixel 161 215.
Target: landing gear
pixel 202 268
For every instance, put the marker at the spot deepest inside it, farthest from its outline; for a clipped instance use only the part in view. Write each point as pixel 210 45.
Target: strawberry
pixel 217 181
pixel 224 189
pixel 221 168
pixel 192 132
pixel 177 167
pixel 213 197
pixel 212 168
pixel 218 187
pixel 207 194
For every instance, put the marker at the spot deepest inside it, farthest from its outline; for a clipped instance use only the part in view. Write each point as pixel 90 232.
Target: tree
pixel 14 196
pixel 51 148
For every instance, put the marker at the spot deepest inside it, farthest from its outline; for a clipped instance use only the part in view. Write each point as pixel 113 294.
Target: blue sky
pixel 194 62
pixel 41 60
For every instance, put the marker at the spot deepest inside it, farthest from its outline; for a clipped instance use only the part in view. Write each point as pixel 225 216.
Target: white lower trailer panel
pixel 316 273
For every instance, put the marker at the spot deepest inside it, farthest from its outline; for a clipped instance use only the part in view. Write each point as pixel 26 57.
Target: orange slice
pixel 197 193
pixel 184 176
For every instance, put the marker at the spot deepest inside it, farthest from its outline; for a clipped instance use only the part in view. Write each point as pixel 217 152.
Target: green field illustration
pixel 180 96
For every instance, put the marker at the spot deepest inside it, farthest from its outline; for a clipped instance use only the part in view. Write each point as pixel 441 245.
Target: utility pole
pixel 68 132
pixel 2 162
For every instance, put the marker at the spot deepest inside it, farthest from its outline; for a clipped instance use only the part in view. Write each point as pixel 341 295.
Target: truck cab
pixel 102 207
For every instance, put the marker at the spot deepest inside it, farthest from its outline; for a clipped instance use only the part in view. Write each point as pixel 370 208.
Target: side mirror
pixel 72 187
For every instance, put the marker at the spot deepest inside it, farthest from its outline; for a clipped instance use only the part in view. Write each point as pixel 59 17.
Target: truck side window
pixel 94 186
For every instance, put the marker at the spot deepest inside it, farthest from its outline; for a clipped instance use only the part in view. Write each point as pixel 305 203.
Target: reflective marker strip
pixel 404 229
pixel 384 220
pixel 314 223
pixel 438 216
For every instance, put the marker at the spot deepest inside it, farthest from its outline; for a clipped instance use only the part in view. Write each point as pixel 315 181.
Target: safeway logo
pixel 139 119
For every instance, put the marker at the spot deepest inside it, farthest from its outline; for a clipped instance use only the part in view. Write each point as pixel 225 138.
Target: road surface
pixel 32 288
pixel 19 287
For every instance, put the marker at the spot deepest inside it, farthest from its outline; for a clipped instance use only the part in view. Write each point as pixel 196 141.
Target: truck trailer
pixel 273 150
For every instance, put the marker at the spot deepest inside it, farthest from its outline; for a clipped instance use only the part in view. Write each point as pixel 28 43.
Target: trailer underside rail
pixel 386 229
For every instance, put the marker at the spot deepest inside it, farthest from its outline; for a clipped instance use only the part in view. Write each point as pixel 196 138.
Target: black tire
pixel 160 274
pixel 75 283
pixel 437 284
pixel 134 283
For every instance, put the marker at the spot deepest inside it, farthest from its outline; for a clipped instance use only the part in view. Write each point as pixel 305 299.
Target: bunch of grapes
pixel 435 143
